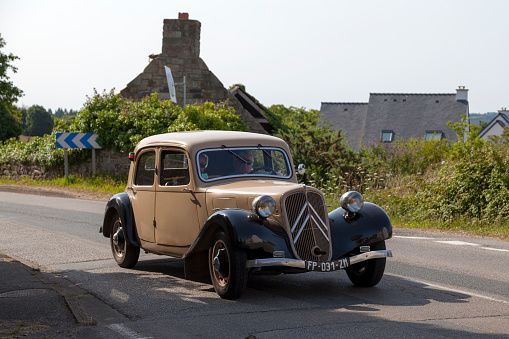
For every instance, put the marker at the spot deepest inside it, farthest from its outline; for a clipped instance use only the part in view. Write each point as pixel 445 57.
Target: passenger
pixel 203 161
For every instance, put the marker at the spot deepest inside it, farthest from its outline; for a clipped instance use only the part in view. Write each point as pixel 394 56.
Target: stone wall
pixel 181 53
pixel 107 163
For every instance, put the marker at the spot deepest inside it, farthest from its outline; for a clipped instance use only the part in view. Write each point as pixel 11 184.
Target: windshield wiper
pixel 235 154
pixel 264 151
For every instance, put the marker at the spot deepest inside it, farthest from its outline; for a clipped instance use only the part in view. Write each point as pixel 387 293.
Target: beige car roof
pixel 193 141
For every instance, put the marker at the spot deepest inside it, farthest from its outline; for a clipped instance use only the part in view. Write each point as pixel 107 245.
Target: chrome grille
pixel 307 220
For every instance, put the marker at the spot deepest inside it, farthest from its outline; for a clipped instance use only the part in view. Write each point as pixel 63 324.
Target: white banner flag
pixel 171 84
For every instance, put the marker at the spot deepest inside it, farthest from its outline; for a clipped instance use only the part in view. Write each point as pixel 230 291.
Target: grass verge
pixel 102 185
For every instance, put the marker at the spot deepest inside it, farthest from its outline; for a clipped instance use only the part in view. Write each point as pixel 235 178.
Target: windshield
pixel 225 162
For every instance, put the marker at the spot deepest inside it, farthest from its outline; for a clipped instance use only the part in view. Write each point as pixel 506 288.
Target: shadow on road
pixel 303 305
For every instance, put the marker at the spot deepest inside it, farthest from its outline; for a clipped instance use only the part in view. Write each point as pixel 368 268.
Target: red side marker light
pixel 131 156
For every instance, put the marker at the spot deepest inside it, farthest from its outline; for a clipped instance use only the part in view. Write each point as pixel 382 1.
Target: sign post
pixel 77 140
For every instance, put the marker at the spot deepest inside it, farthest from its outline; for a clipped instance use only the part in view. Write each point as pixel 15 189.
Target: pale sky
pixel 296 53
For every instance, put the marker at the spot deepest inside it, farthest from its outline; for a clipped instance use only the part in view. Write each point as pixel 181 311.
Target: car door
pixel 176 213
pixel 143 194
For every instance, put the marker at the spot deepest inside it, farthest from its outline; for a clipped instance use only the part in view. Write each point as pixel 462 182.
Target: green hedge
pixel 121 124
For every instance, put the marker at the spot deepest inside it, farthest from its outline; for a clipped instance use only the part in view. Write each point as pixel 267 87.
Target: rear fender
pixel 369 226
pixel 121 205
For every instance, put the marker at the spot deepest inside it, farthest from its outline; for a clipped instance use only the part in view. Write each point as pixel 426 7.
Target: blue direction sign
pixel 77 140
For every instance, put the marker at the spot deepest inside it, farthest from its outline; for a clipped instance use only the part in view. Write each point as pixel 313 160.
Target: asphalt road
pixel 436 285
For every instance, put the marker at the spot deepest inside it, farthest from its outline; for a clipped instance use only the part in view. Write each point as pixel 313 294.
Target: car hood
pixel 242 193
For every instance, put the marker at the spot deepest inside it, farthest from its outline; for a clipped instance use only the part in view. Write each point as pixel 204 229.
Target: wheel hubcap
pixel 118 239
pixel 220 263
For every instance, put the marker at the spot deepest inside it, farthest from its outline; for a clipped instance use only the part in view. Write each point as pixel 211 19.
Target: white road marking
pixel 126 332
pixel 494 249
pixel 452 242
pixel 457 243
pixel 457 291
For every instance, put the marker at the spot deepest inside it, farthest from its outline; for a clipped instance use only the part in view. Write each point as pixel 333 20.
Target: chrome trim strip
pixel 302 263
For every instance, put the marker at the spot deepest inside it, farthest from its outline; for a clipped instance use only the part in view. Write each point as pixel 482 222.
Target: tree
pixel 10 127
pixel 38 121
pixel 9 93
pixel 10 124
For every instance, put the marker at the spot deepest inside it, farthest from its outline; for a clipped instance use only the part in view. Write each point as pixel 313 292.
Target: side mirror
pixel 301 169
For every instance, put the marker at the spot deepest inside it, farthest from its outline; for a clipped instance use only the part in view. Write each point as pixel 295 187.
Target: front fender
pixel 121 205
pixel 247 231
pixel 370 225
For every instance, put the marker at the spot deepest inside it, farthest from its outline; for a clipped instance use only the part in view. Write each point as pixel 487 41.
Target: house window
pixel 434 135
pixel 387 136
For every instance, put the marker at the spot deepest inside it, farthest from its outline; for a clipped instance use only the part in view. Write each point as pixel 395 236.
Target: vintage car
pixel 229 204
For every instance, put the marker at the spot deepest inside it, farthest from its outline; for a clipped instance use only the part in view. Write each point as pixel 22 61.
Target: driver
pixel 244 165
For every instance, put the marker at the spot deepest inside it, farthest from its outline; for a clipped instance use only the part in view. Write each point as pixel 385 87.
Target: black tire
pixel 368 273
pixel 227 267
pixel 125 255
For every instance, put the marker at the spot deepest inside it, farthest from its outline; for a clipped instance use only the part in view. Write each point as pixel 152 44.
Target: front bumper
pixel 317 265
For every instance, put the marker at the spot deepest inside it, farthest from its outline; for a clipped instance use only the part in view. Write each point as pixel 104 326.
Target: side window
pixel 145 169
pixel 175 169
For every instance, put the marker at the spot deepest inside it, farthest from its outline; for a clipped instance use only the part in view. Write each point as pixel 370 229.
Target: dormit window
pixel 387 136
pixel 434 135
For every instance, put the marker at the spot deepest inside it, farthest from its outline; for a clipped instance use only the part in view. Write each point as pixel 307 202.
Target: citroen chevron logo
pixel 310 213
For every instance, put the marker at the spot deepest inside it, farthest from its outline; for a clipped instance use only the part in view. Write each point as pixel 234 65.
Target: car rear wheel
pixel 227 267
pixel 368 273
pixel 125 255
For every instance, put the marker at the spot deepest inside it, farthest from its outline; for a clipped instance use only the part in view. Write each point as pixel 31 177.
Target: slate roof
pixel 501 119
pixel 406 114
pixel 347 116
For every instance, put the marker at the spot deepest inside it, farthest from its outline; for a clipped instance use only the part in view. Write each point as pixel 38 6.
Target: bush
pixel 412 156
pixel 121 123
pixel 474 186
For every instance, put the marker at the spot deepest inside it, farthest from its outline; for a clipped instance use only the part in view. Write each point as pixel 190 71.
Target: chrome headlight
pixel 264 206
pixel 351 201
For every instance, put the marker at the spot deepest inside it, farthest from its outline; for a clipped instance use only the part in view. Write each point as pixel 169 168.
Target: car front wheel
pixel 368 273
pixel 227 267
pixel 125 255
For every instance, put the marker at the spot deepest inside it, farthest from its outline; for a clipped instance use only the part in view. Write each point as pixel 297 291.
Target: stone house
pixel 389 116
pixel 181 53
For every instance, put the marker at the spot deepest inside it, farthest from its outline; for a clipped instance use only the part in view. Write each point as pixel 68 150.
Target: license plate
pixel 327 266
